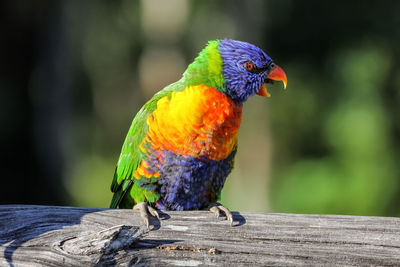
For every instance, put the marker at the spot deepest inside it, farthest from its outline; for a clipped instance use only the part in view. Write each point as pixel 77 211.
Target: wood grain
pixel 68 236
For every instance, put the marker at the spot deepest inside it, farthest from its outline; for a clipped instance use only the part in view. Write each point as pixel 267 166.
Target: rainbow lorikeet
pixel 181 145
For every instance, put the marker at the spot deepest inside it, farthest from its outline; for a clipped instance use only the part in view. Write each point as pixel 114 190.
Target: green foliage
pixel 358 174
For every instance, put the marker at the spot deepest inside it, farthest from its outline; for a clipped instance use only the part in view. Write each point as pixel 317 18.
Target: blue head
pixel 246 68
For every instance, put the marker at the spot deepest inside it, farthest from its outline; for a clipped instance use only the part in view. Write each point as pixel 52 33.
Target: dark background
pixel 74 73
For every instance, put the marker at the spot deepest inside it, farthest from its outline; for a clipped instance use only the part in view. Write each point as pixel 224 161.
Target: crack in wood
pixel 213 251
pixel 104 242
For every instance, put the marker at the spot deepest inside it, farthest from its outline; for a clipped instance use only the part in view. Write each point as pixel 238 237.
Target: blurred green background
pixel 74 74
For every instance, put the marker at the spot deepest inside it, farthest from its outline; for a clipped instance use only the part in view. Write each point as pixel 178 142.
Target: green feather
pixel 119 195
pixel 206 69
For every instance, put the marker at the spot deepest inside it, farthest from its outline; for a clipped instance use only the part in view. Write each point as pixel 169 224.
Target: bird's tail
pixel 120 192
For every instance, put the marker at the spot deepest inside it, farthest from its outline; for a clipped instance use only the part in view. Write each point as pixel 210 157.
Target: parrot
pixel 181 145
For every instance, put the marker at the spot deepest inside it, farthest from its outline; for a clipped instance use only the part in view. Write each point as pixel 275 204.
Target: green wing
pixel 131 155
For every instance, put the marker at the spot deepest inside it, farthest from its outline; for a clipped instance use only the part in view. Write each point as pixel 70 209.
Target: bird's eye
pixel 272 66
pixel 249 66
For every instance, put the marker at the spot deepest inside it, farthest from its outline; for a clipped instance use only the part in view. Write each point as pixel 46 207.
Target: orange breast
pixel 199 122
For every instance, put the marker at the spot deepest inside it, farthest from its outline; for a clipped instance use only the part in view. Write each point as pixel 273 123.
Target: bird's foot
pixel 216 208
pixel 145 210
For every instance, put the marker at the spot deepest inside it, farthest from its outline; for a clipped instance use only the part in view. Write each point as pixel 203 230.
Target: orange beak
pixel 277 74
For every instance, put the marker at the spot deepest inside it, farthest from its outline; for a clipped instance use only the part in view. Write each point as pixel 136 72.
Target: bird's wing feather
pixel 131 155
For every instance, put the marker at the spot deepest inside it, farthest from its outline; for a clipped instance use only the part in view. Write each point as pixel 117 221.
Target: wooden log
pixel 53 236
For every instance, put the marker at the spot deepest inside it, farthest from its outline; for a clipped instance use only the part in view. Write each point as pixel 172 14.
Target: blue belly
pixel 190 183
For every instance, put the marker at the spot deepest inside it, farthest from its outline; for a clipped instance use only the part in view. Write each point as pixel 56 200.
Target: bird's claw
pixel 216 208
pixel 145 210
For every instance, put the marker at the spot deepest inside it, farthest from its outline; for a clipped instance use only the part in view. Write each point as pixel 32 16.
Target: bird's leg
pixel 144 210
pixel 216 208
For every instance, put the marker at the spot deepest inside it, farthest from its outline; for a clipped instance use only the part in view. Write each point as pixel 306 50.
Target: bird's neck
pixel 206 69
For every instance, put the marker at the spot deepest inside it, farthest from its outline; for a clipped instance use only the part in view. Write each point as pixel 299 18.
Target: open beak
pixel 277 74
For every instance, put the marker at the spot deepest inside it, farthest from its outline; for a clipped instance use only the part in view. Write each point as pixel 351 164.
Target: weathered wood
pixel 53 236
